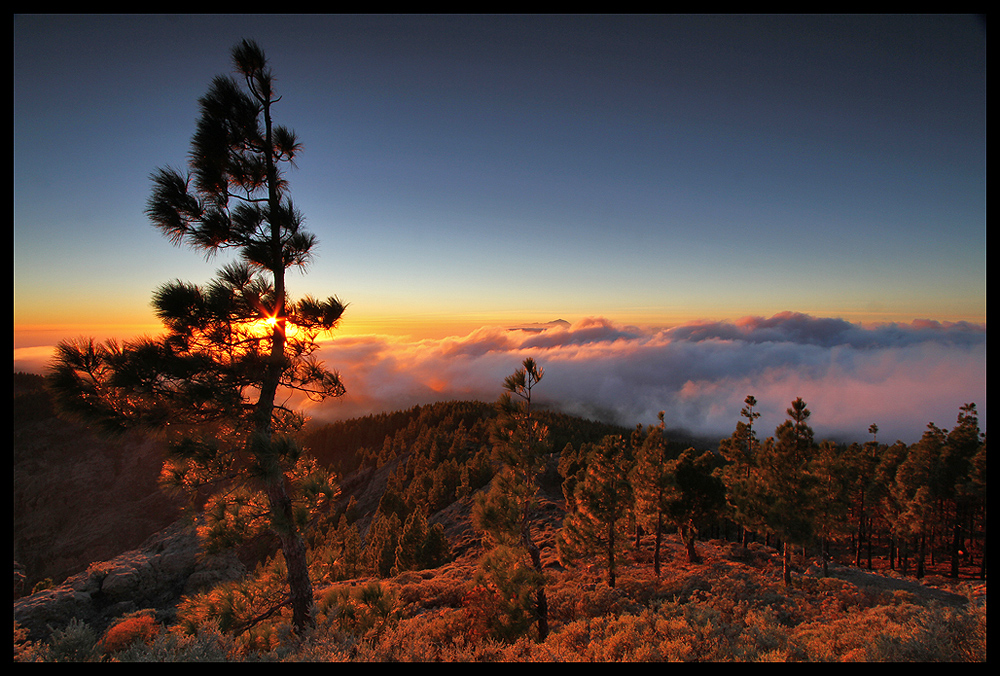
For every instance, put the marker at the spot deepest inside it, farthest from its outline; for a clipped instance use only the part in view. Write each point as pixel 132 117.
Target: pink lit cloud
pixel 899 376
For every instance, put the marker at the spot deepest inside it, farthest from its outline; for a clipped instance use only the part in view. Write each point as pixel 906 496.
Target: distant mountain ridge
pixel 539 326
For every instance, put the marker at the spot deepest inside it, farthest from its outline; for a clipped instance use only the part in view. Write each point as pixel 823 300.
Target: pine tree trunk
pixel 611 554
pixel 861 530
pixel 786 564
pixel 292 545
pixel 293 548
pixel 922 553
pixel 956 542
pixel 541 602
pixel 869 543
pixel 659 541
pixel 688 533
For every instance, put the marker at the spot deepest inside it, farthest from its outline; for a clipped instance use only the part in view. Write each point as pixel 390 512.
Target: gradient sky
pixel 462 171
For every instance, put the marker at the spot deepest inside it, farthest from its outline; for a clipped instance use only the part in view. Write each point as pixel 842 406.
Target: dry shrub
pixel 937 633
pixel 674 632
pixel 431 592
pixel 604 600
pixel 26 650
pixel 135 627
pixel 442 635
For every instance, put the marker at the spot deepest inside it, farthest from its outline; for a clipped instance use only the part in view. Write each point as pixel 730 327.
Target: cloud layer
pixel 899 376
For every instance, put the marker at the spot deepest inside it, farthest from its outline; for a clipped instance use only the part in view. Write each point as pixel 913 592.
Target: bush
pixel 365 611
pixel 936 634
pixel 26 650
pixel 139 626
pixel 207 646
pixel 76 643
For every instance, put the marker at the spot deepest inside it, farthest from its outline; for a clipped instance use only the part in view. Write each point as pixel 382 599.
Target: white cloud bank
pixel 899 376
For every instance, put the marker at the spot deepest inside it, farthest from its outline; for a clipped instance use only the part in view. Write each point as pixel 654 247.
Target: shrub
pixel 937 634
pixel 209 645
pixel 432 592
pixel 42 585
pixel 232 606
pixel 139 626
pixel 365 611
pixel 26 650
pixel 77 642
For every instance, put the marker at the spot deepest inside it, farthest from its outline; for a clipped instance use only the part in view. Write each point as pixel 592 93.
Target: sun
pixel 264 327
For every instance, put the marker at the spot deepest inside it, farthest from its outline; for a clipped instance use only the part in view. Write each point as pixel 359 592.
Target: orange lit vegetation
pixel 376 601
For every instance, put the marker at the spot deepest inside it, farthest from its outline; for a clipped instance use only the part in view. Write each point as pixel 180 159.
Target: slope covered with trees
pixel 403 569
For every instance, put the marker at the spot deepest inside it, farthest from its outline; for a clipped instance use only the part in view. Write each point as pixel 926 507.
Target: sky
pixel 713 205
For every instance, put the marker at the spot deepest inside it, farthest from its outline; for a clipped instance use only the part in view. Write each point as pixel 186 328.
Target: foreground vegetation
pixel 733 606
pixel 414 575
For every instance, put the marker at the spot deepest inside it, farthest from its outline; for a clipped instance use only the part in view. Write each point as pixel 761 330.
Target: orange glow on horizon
pixel 432 326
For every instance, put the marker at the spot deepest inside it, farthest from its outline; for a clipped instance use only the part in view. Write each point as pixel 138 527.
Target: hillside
pixel 731 605
pixel 77 497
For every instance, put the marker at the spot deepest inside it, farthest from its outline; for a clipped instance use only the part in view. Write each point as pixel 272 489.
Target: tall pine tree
pixel 651 483
pixel 210 384
pixel 740 452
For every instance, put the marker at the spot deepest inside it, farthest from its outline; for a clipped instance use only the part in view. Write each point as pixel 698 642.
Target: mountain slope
pixel 78 498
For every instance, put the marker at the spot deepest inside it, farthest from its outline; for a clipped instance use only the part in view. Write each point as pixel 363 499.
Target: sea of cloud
pixel 898 376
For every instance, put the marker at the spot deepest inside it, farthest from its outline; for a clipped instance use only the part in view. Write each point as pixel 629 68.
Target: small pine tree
pixel 348 539
pixel 409 550
pixel 602 523
pixel 695 492
pixel 436 550
pixel 520 443
pixel 504 600
pixel 382 542
pixel 651 482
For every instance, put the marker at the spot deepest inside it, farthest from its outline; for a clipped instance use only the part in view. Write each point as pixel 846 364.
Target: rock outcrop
pixel 167 566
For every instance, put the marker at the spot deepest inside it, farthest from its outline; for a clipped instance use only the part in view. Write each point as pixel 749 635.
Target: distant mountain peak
pixel 540 326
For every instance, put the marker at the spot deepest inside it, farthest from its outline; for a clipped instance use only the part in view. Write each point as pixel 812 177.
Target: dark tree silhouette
pixel 695 492
pixel 210 383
